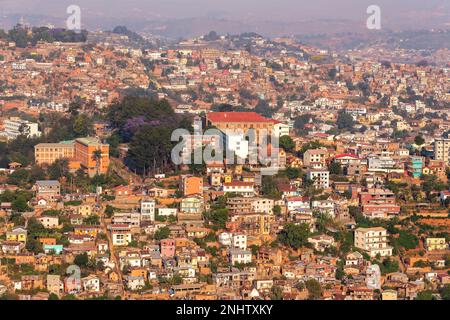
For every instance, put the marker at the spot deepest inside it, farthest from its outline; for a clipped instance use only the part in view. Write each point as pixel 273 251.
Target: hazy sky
pixel 260 9
pixel 408 13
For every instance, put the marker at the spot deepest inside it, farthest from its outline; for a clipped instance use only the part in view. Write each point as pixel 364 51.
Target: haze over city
pixel 177 18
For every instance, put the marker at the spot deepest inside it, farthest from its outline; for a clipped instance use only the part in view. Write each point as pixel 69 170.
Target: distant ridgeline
pixel 122 30
pixel 25 36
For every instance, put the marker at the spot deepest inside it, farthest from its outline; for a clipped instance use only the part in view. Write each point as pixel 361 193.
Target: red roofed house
pixel 297 203
pixel 240 121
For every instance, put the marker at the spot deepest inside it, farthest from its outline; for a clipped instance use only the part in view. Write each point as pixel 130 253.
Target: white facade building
pixel 148 210
pixel 240 241
pixel 15 127
pixel 373 241
pixel 321 178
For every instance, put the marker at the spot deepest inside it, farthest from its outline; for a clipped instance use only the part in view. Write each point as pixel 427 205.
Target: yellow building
pixel 228 178
pixel 87 230
pixel 433 244
pixel 17 234
pixel 87 153
pixel 389 295
pixel 84 210
pixel 47 153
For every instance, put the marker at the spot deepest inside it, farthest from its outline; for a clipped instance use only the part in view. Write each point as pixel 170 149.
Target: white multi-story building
pixel 262 205
pixel 121 235
pixel 373 241
pixel 383 164
pixel 315 158
pixel 245 189
pixel 15 127
pixel 280 129
pixel 165 212
pixel 240 241
pixel 297 203
pixel 238 144
pixel 148 210
pixel 442 149
pixel 132 219
pixel 240 256
pixel 321 177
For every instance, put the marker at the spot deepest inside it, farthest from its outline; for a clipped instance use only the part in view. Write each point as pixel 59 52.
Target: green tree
pixel 425 295
pixel 419 140
pixel 276 293
pixel 82 125
pixel 287 143
pixel 97 157
pixel 53 296
pixel 335 168
pixel 19 177
pixel 293 173
pixel 20 204
pixel 109 211
pixel 301 121
pixel 81 260
pixel 162 233
pixel 445 292
pixel 277 210
pixel 294 235
pixel 345 121
pixel 264 109
pixel 269 187
pixel 218 217
pixel 314 289
pixel 58 169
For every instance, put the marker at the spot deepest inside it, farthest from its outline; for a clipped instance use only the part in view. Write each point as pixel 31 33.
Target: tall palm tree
pixel 97 157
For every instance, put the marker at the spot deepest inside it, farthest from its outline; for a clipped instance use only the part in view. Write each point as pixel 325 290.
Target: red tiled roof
pixel 299 198
pixel 237 117
pixel 238 184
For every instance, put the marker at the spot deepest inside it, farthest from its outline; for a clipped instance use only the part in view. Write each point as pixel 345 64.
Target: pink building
pixel 167 248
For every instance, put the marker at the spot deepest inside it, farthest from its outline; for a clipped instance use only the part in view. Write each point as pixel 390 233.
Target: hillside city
pixel 92 205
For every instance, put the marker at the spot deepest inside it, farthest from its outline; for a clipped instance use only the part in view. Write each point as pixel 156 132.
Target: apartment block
pixel 48 153
pixel 373 241
pixel 15 127
pixel 442 149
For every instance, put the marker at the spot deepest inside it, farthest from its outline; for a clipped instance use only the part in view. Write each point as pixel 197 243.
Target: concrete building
pixel 85 150
pixel 148 210
pixel 315 158
pixel 415 166
pixel 373 241
pixel 442 149
pixel 48 189
pixel 240 241
pixel 435 244
pixel 47 153
pixel 191 185
pixel 15 127
pixel 321 178
pixel 192 204
pixel 239 256
pixel 244 189
pixel 86 153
